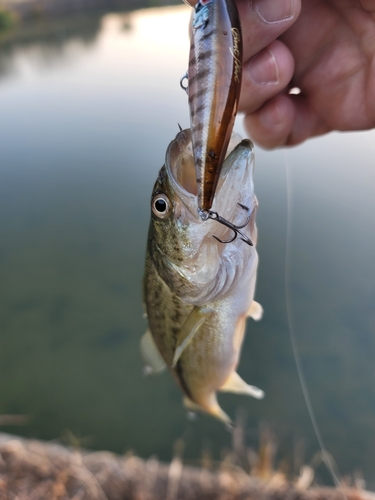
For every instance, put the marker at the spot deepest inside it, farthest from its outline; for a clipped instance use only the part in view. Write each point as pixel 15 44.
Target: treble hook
pixel 210 214
pixel 184 87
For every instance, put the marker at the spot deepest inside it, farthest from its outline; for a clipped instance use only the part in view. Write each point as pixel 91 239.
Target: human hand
pixel 324 47
pixel 328 51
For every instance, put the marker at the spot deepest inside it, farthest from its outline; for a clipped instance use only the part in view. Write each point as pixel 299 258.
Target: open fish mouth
pixel 231 189
pixel 180 165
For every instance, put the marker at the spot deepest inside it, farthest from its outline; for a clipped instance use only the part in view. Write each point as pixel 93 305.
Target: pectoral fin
pixel 192 323
pixel 255 311
pixel 235 384
pixel 153 363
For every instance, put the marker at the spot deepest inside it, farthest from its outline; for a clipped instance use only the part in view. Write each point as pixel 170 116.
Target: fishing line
pixel 326 457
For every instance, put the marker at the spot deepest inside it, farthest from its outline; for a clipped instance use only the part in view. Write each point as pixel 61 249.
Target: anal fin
pixel 153 363
pixel 255 311
pixel 235 384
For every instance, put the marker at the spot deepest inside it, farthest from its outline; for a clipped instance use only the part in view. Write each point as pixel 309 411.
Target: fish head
pixel 193 264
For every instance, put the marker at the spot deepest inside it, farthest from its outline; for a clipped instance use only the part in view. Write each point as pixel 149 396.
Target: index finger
pixel 262 21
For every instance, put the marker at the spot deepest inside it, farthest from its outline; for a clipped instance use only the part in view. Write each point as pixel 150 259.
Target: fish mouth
pixel 210 267
pixel 180 166
pixel 231 189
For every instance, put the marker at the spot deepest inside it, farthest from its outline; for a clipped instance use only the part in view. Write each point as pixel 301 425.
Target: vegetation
pixel 35 10
pixel 7 20
pixel 39 470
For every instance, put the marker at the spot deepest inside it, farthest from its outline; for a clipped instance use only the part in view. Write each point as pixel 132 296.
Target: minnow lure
pixel 214 82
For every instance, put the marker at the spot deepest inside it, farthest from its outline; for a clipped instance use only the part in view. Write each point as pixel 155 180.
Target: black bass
pixel 214 83
pixel 197 291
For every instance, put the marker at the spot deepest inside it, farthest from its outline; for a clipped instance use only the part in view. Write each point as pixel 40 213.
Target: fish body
pixel 214 81
pixel 197 291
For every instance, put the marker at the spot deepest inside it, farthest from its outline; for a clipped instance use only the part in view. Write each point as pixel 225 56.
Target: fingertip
pixel 272 124
pixel 263 21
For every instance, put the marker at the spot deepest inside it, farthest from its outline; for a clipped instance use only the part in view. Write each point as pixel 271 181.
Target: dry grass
pixel 32 470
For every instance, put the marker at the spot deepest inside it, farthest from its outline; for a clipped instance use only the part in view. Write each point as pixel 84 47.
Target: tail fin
pixel 212 407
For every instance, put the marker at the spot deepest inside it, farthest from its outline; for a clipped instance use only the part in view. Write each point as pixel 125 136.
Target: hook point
pixel 210 214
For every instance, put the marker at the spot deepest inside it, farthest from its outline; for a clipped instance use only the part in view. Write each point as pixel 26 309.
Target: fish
pixel 214 83
pixel 198 292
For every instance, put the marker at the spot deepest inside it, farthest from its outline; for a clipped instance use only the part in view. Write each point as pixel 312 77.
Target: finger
pixel 307 122
pixel 368 5
pixel 265 76
pixel 263 21
pixel 271 125
pixel 285 120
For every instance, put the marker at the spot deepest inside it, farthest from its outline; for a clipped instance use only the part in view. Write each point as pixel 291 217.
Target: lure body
pixel 198 292
pixel 214 81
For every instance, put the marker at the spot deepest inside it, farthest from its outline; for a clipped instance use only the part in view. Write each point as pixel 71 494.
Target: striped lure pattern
pixel 214 81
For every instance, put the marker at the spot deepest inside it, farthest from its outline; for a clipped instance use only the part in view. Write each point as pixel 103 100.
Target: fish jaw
pixel 235 185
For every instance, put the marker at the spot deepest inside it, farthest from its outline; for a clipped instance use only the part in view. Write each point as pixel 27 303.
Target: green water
pixel 85 120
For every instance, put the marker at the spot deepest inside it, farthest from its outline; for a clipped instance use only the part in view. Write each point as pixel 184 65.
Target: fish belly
pixel 212 354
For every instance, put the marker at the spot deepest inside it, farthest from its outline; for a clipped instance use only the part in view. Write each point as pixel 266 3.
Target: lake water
pixel 87 111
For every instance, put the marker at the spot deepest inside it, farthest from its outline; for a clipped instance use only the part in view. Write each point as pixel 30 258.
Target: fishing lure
pixel 214 82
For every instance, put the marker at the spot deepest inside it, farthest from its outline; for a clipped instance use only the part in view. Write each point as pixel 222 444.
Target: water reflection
pixel 85 124
pixel 47 44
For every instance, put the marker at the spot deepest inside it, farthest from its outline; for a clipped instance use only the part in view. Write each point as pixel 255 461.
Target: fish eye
pixel 160 205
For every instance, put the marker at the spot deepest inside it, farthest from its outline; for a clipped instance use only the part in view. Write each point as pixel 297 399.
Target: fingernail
pixel 263 69
pixel 270 117
pixel 274 11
